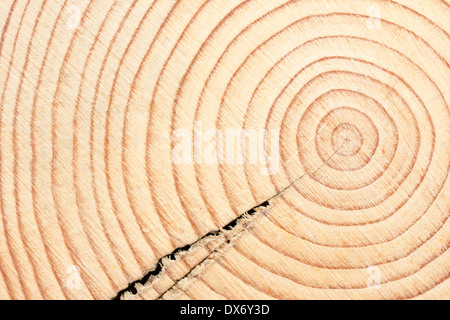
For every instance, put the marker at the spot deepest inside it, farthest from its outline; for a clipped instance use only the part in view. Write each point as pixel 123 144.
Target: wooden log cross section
pixel 224 149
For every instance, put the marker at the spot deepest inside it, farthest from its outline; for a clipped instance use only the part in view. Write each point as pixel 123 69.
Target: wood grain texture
pixel 94 95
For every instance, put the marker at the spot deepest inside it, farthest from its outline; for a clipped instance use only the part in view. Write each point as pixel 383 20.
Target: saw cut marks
pixel 108 110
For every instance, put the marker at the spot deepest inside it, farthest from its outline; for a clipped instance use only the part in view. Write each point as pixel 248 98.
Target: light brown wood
pixel 112 162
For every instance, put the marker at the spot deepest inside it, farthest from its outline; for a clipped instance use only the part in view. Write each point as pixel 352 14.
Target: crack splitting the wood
pixel 251 213
pixel 173 256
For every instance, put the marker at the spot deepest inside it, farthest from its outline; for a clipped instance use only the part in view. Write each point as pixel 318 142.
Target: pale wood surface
pixel 92 92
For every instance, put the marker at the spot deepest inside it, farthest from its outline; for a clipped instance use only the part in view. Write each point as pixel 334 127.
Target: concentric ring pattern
pixel 93 92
